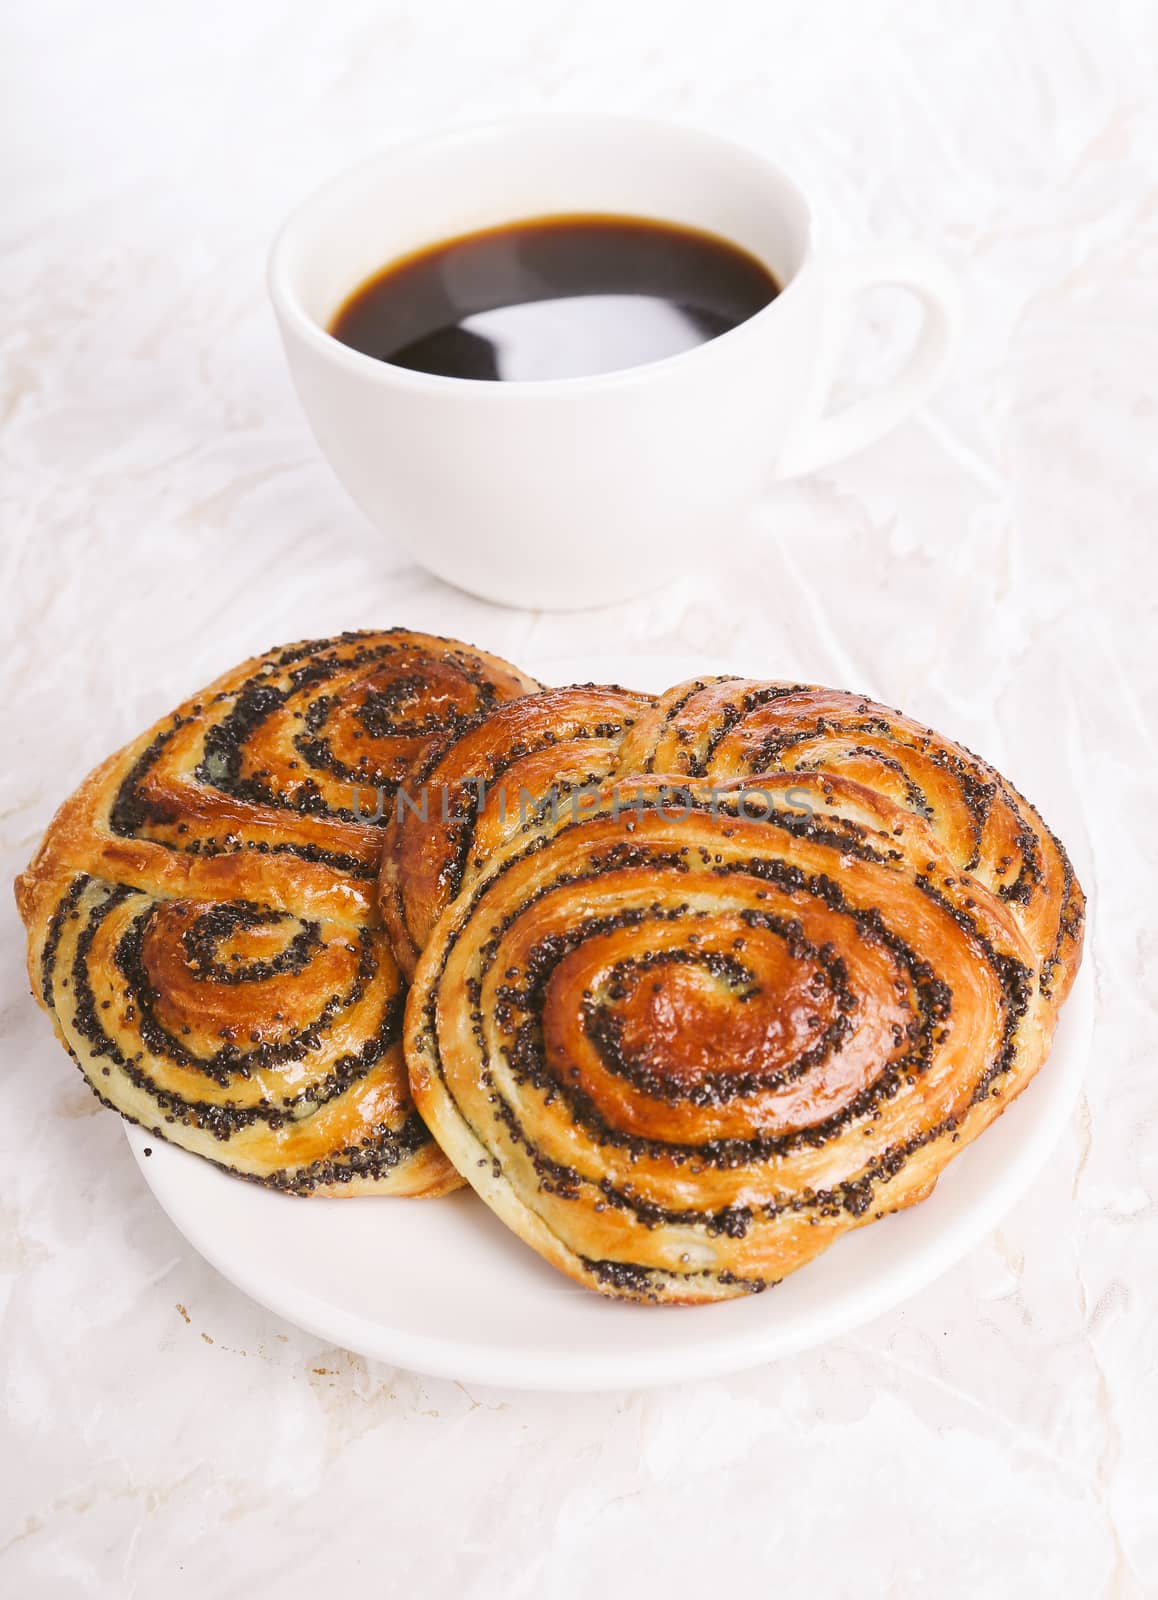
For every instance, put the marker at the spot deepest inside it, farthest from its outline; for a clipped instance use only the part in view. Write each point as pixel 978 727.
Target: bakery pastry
pixel 683 1043
pixel 202 925
pixel 473 793
pixel 722 728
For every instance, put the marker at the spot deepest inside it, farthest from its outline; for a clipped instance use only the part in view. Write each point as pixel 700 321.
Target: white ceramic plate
pixel 442 1287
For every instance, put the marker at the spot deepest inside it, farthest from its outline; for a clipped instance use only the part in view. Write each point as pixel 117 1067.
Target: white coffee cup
pixel 580 491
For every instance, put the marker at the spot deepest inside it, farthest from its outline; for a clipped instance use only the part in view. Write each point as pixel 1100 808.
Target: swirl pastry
pixel 202 921
pixel 725 728
pixel 682 1043
pixel 469 796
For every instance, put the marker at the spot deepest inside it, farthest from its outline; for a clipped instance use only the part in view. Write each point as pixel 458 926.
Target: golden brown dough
pixel 202 921
pixel 684 1043
pixel 468 797
pixel 722 728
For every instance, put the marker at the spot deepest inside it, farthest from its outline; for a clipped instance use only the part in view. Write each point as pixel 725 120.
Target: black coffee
pixel 559 297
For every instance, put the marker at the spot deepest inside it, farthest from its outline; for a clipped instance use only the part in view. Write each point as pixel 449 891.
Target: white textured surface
pixel 166 513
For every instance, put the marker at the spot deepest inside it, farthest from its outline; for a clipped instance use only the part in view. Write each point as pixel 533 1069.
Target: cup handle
pixel 817 438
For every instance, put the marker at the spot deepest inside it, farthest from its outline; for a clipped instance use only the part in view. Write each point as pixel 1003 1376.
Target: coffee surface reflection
pixel 554 297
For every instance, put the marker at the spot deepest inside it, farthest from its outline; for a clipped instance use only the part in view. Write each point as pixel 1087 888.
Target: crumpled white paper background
pixel 991 567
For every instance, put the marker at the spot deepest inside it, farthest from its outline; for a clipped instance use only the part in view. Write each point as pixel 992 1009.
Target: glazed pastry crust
pixel 202 920
pixel 477 791
pixel 727 728
pixel 681 1051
